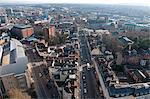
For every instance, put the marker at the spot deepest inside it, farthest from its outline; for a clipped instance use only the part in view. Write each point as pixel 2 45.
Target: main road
pixel 88 82
pixel 85 55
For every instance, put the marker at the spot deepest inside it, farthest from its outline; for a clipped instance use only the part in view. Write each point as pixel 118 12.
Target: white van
pixel 88 66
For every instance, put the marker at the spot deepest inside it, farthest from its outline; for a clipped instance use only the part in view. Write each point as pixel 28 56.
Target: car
pixel 94 71
pixel 85 97
pixel 84 91
pixel 84 84
pixel 88 69
pixel 83 77
pixel 33 50
pixel 88 66
pixel 49 84
pixel 40 75
pixel 83 74
pixel 54 96
pixel 84 81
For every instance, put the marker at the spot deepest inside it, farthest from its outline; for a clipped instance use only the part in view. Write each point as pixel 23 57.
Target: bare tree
pixel 18 94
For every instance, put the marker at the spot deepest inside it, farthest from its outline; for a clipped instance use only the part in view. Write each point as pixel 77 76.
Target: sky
pixel 130 2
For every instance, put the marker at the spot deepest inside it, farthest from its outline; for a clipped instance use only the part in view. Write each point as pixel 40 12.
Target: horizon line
pixel 123 4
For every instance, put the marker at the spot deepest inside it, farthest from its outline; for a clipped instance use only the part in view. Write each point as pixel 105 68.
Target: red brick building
pixel 49 31
pixel 22 31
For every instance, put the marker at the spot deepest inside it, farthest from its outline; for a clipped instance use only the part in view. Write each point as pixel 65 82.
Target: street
pixel 89 86
pixel 84 51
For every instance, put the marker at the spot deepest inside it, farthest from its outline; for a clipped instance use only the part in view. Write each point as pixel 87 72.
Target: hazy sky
pixel 131 2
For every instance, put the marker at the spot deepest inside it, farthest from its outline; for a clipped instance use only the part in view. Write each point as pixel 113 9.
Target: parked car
pixel 84 85
pixel 83 77
pixel 84 91
pixel 49 84
pixel 40 75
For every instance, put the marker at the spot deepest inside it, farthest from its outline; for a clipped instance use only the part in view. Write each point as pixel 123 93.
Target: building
pixel 2 10
pixel 21 31
pixel 133 27
pixel 119 86
pixel 98 23
pixel 3 19
pixel 130 26
pixel 136 90
pixel 49 32
pixel 65 79
pixel 125 41
pixel 9 11
pixel 96 52
pixel 13 68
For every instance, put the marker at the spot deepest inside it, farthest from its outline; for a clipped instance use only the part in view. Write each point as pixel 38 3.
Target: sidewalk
pixel 105 91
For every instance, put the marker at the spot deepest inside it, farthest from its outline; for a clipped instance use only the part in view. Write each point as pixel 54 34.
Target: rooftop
pixel 125 40
pixel 21 26
pixel 20 64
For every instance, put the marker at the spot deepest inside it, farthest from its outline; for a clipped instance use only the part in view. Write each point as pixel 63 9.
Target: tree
pixel 141 44
pixel 39 33
pixel 118 68
pixel 113 45
pixel 144 44
pixel 18 94
pixel 57 40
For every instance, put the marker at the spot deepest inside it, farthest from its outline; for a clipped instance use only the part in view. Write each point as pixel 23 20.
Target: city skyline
pixel 125 2
pixel 61 49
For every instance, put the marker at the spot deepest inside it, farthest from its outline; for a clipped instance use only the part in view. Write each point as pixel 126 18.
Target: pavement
pixel 105 91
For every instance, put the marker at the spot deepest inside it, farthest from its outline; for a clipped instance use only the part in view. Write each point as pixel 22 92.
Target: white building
pixel 13 68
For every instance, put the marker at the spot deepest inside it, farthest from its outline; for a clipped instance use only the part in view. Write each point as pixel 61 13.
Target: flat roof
pixel 73 76
pixel 21 26
pixel 16 68
pixel 20 64
pixel 125 40
pixel 15 44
